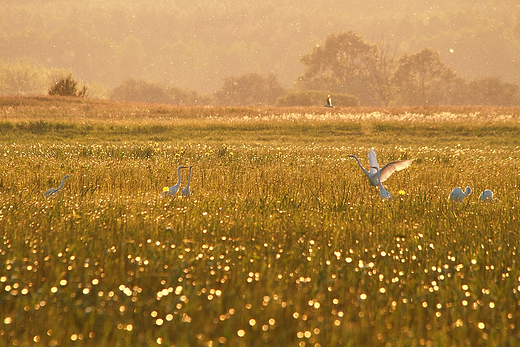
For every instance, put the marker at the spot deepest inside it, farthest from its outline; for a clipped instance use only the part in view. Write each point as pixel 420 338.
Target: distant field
pixel 282 242
pixel 39 119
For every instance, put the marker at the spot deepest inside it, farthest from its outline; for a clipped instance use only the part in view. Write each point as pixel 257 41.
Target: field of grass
pixel 282 243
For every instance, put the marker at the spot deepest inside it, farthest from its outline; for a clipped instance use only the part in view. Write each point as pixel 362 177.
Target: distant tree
pixel 380 71
pixel 143 91
pixel 249 89
pixel 152 41
pixel 67 86
pixel 492 90
pixel 316 98
pixel 423 79
pixel 516 31
pixel 98 91
pixel 22 77
pixel 347 64
pixel 187 97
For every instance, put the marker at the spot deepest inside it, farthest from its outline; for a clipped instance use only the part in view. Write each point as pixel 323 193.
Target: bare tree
pixel 346 63
pixel 249 89
pixel 423 79
pixel 380 70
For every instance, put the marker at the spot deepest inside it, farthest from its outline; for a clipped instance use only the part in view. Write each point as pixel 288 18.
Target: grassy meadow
pixel 282 243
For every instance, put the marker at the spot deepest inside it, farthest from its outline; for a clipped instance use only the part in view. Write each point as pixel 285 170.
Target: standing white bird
pixel 55 191
pixel 174 189
pixel 376 175
pixel 186 191
pixel 329 102
pixel 385 194
pixel 458 195
pixel 486 195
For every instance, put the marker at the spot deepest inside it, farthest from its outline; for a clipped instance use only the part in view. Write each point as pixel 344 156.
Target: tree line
pixel 346 63
pixel 196 44
pixel 352 69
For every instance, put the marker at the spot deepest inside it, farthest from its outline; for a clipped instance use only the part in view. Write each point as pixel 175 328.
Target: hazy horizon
pixel 195 44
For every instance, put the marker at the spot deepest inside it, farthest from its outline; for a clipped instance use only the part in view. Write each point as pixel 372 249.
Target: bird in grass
pixel 458 195
pixel 329 101
pixel 174 189
pixel 55 191
pixel 385 194
pixel 186 191
pixel 486 195
pixel 375 175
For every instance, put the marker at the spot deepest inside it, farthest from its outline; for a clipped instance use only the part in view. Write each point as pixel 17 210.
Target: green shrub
pixel 66 86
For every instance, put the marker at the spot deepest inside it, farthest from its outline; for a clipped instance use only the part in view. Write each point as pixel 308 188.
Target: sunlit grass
pixel 282 242
pixel 40 119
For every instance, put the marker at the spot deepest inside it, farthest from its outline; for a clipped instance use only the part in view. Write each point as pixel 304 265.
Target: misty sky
pixel 195 44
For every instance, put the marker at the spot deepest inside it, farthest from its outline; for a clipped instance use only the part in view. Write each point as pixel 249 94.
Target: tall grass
pixel 282 243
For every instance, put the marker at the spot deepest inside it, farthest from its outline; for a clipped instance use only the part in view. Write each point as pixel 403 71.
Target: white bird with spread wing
pixel 55 191
pixel 174 189
pixel 376 175
pixel 385 194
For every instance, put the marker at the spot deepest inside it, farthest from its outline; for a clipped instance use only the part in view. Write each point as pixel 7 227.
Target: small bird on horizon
pixel 329 101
